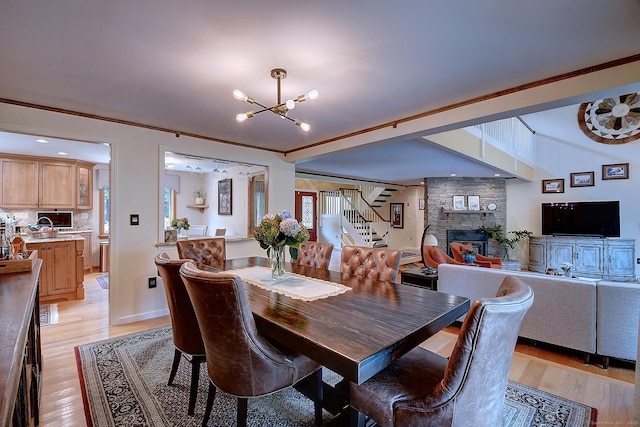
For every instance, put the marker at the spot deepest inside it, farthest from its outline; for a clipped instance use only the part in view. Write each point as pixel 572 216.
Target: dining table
pixel 356 329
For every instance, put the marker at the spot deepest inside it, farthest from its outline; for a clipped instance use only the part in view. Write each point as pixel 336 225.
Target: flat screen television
pixel 593 219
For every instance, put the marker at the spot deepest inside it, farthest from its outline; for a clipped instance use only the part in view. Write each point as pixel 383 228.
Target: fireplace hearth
pixel 478 240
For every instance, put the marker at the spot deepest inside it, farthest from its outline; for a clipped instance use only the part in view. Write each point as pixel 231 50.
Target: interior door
pixel 306 212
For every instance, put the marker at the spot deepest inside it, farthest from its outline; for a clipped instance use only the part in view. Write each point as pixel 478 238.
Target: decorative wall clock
pixel 614 120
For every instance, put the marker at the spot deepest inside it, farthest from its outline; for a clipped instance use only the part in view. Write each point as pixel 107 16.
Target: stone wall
pixel 439 211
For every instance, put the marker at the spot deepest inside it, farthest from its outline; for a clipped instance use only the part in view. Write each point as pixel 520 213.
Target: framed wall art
pixel 397 215
pixel 458 203
pixel 473 203
pixel 553 185
pixel 615 171
pixel 224 197
pixel 582 179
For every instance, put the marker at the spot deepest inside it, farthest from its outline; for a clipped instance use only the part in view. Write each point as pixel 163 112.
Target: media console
pixel 599 258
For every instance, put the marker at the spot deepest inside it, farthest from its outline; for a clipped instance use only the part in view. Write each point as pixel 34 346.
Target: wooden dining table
pixel 357 333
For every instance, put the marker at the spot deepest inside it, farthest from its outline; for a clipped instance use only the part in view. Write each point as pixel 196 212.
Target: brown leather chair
pixel 209 251
pixel 483 261
pixel 423 388
pixel 314 254
pixel 433 256
pixel 373 263
pixel 184 325
pixel 240 361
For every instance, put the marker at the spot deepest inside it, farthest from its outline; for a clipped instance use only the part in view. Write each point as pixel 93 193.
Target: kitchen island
pixel 62 274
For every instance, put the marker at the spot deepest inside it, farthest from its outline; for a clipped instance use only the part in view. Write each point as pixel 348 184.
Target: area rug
pixel 124 382
pixel 48 314
pixel 103 281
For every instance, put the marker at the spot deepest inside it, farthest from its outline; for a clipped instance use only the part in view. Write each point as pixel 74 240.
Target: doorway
pixel 306 212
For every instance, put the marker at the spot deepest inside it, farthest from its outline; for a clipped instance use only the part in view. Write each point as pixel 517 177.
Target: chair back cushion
pixel 476 375
pixel 373 263
pixel 314 254
pixel 239 360
pixel 209 251
pixel 457 248
pixel 184 325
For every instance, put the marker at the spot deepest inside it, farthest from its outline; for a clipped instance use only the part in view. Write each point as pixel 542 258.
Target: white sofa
pixel 593 316
pixel 563 311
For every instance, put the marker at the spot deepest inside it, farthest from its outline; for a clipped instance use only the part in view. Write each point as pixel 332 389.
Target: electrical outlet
pixel 152 282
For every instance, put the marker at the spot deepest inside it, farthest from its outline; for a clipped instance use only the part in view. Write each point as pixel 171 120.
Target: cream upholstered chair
pixel 373 263
pixel 240 361
pixel 184 325
pixel 423 388
pixel 209 251
pixel 197 230
pixel 314 254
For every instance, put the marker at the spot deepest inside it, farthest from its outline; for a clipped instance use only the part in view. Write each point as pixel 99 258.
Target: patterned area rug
pixel 103 281
pixel 124 382
pixel 48 314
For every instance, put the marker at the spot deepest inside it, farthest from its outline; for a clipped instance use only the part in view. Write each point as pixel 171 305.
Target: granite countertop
pixel 60 238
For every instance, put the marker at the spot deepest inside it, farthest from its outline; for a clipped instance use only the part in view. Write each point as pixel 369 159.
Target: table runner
pixel 292 285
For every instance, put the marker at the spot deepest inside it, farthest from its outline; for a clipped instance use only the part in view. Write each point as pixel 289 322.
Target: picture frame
pixel 396 215
pixel 615 171
pixel 473 203
pixel 421 204
pixel 553 185
pixel 170 235
pixel 458 203
pixel 582 179
pixel 225 197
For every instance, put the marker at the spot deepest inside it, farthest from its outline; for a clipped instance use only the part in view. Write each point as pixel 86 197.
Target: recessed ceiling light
pixel 454 174
pixel 62 153
pixel 496 174
pixel 42 141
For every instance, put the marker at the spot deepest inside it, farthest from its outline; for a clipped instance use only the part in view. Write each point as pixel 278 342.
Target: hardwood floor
pixel 81 322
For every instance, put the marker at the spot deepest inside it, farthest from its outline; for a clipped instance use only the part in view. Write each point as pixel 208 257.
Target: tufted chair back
pixel 423 388
pixel 240 361
pixel 314 254
pixel 373 263
pixel 209 251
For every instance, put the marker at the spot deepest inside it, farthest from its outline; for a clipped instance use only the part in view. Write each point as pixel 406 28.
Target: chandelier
pixel 281 108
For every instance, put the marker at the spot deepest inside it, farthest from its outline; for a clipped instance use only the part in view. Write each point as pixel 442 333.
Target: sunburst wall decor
pixel 614 120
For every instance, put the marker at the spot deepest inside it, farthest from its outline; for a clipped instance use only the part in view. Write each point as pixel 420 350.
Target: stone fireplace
pixel 478 240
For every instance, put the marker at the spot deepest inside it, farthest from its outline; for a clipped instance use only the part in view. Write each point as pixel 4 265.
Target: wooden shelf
pixel 201 208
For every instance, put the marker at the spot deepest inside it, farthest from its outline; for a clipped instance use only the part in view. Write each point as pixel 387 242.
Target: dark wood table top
pixel 357 333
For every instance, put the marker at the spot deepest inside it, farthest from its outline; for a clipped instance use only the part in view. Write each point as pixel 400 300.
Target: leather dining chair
pixel 184 325
pixel 314 254
pixel 209 251
pixel 423 388
pixel 373 263
pixel 240 361
pixel 483 261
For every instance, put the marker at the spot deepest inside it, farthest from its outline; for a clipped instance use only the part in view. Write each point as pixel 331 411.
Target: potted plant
pixel 504 241
pixel 200 196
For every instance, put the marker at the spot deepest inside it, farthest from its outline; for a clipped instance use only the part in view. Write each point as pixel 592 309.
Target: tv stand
pixel 595 257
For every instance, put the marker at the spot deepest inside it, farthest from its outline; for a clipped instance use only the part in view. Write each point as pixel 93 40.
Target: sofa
pixel 588 315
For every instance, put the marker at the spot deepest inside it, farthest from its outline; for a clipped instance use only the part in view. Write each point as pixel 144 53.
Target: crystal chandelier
pixel 281 108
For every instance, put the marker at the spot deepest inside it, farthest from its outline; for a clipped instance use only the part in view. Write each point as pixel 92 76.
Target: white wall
pixel 136 170
pixel 557 159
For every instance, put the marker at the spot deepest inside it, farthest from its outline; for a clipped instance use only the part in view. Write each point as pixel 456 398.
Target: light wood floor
pixel 81 322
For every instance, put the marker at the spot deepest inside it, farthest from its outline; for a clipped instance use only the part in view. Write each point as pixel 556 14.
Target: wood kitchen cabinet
pixel 62 274
pixel 88 256
pixel 45 183
pixel 19 187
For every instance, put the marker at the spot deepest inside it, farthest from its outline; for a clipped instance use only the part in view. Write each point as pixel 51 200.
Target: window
pixel 104 212
pixel 169 206
pixel 257 200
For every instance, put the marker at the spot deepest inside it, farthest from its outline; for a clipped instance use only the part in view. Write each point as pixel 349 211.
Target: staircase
pixel 360 223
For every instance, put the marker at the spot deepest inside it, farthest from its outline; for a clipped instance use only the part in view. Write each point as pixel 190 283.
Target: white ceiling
pixel 174 65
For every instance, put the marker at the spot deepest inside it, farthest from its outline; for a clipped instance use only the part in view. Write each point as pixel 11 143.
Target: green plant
pixel 468 252
pixel 503 238
pixel 200 193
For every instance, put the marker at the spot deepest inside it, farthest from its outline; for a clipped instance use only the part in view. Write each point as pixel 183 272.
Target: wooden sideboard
pixel 598 258
pixel 20 351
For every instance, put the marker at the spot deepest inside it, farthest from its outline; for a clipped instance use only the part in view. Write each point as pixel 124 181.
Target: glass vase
pixel 276 261
pixel 182 233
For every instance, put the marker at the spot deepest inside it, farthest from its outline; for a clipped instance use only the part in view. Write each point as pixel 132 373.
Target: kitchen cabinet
pixel 19 186
pixel 62 274
pixel 88 249
pixel 599 258
pixel 85 186
pixel 44 183
pixel 57 185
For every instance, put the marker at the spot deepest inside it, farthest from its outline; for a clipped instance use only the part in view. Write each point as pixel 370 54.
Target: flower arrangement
pixel 180 223
pixel 566 267
pixel 278 231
